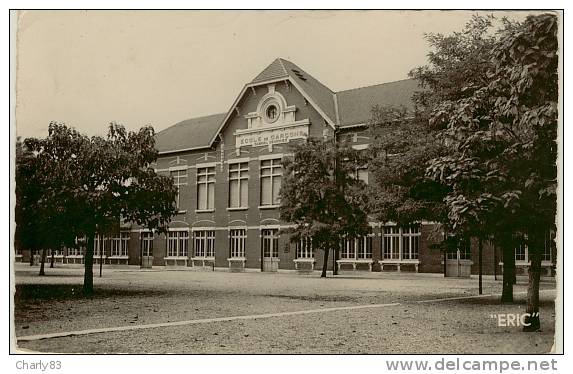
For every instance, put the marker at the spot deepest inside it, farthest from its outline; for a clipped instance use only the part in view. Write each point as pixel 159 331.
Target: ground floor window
pixel 410 242
pixel 522 251
pixel 465 253
pixel 391 243
pixel 204 243
pixel 358 248
pixel 119 245
pixel 177 243
pixel 401 243
pixel 270 242
pixel 147 243
pixel 74 251
pixel 55 252
pixel 304 248
pixel 237 241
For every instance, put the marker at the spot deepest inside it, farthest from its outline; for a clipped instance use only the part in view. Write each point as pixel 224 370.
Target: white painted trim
pixel 275 206
pixel 179 229
pixel 237 209
pixel 177 168
pixel 204 210
pixel 207 164
pixel 301 122
pixel 244 227
pixel 237 160
pixel 193 229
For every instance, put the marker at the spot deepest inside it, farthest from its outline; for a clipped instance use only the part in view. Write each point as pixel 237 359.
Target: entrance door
pixel 146 249
pixel 270 249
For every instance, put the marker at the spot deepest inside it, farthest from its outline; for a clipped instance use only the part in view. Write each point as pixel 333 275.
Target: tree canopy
pixel 321 194
pixel 81 186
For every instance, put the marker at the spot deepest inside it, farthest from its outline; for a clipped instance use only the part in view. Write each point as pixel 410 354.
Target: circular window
pixel 271 113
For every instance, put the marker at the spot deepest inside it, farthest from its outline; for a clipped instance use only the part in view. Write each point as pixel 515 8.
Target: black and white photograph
pixel 288 182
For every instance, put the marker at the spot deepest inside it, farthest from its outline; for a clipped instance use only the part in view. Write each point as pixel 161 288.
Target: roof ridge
pixel 377 84
pixel 307 73
pixel 283 65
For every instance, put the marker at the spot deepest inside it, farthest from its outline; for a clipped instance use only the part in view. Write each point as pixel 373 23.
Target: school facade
pixel 228 171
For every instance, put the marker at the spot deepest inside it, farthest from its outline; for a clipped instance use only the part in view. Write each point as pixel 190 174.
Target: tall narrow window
pixel 270 238
pixel 147 243
pixel 391 242
pixel 206 188
pixel 410 242
pixel 521 252
pixel 238 185
pixel 304 248
pixel 271 171
pixel 179 179
pixel 177 243
pixel 357 249
pixel 364 247
pixel 348 249
pixel 237 238
pixel 204 243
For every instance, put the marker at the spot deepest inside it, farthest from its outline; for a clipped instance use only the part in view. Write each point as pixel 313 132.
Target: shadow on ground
pixel 64 292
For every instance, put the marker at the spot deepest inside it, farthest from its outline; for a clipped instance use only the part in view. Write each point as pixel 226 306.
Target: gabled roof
pixel 274 71
pixel 318 92
pixel 355 105
pixel 189 134
pixel 344 108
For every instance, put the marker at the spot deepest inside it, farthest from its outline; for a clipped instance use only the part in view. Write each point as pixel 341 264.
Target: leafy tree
pixel 405 143
pixel 41 223
pixel 502 165
pixel 322 196
pixel 92 183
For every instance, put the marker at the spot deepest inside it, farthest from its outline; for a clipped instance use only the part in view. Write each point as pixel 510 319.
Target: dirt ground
pixel 127 296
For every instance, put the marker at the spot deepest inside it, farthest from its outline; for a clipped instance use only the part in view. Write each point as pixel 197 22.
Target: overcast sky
pixel 87 68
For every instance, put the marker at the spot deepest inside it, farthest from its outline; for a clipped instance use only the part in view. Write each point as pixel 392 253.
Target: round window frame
pixel 265 108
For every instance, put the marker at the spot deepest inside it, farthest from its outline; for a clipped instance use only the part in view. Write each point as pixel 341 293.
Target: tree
pixel 406 143
pixel 92 183
pixel 503 142
pixel 321 195
pixel 41 223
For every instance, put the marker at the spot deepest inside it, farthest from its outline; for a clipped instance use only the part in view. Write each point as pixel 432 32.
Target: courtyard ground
pixel 355 312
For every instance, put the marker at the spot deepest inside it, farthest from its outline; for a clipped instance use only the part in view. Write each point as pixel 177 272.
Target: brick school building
pixel 228 170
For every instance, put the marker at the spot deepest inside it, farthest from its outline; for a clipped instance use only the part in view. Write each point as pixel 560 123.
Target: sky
pixel 137 68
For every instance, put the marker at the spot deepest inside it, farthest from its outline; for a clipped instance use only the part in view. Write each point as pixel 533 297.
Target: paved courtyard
pixel 197 311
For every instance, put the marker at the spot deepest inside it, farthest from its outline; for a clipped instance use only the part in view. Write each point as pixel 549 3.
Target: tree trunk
pixel 508 258
pixel 43 261
pixel 88 265
pixel 480 265
pixel 335 259
pixel 31 257
pixel 325 263
pixel 495 262
pixel 445 259
pixel 102 247
pixel 52 261
pixel 532 320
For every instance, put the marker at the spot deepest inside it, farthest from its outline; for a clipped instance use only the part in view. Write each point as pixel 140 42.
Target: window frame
pixel 209 173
